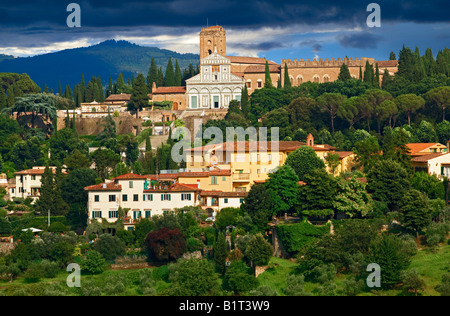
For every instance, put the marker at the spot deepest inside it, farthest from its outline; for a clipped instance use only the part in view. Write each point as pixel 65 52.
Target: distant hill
pixel 4 57
pixel 109 58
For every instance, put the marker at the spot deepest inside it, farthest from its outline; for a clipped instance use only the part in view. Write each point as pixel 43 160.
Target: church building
pixel 215 86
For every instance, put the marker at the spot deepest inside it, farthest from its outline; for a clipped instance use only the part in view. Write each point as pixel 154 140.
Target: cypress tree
pixel 392 56
pixel 120 83
pixel 360 74
pixel 139 96
pixel 169 79
pixel 68 93
pixel 429 62
pixel 82 89
pixel 177 74
pixel 344 73
pixel 377 76
pixel 45 88
pixel 110 87
pixel 268 80
pixel 152 75
pixel 160 78
pixel 385 79
pixel 244 101
pixel 369 74
pixel 59 88
pixel 10 96
pixel 3 99
pixel 287 80
pixel 148 144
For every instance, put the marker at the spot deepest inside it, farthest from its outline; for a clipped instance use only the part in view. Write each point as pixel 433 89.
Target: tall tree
pixel 409 104
pixel 152 75
pixel 169 79
pixel 330 103
pixel 287 79
pixel 268 80
pixel 441 97
pixel 245 101
pixel 139 96
pixel 178 78
pixel 392 56
pixel 344 73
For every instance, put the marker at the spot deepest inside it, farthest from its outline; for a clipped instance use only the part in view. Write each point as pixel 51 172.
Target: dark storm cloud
pixel 359 40
pixel 314 44
pixel 23 22
pixel 264 46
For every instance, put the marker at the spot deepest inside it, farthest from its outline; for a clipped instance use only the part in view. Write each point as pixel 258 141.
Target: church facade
pixel 215 86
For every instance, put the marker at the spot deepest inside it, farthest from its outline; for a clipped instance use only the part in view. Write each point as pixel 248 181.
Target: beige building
pixel 437 164
pixel 28 183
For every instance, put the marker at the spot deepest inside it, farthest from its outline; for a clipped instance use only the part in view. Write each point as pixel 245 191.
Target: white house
pixel 437 164
pixel 28 183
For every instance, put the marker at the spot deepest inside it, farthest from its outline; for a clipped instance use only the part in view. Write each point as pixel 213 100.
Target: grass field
pixel 431 266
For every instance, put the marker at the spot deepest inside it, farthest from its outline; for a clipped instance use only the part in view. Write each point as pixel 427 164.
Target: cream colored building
pixel 437 164
pixel 28 183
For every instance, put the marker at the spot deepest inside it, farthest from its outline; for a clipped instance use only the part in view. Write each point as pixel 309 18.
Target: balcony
pixel 241 177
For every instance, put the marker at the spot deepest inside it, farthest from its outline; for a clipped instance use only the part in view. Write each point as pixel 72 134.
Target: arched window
pixel 299 80
pixel 316 78
pixel 326 78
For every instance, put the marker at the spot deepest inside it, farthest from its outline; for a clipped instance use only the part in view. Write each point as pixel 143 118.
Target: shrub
pixel 94 263
pixel 295 285
pixel 194 244
pixel 294 237
pixel 258 250
pixel 239 278
pixel 109 246
pixel 57 227
pixel 33 273
pixel 444 287
pixel 165 244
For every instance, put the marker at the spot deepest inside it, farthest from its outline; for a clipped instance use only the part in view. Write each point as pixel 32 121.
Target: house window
pixel 224 178
pixel 33 177
pixel 165 197
pixel 259 84
pixel 249 84
pixel 225 201
pixel 131 184
pixel 148 213
pixel 113 214
pixel 204 201
pixel 136 197
pixel 112 198
pixel 96 214
pixel 214 202
pixel 136 214
pixel 241 201
pixel 125 198
pixel 149 197
pixel 213 179
pixel 186 196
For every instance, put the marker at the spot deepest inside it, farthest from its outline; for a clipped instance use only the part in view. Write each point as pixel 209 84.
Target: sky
pixel 276 30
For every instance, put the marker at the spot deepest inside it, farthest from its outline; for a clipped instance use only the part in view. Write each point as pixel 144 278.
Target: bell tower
pixel 213 37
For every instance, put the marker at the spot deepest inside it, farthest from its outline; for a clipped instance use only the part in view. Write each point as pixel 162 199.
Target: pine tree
pixel 287 79
pixel 268 80
pixel 392 56
pixel 169 79
pixel 429 62
pixel 152 75
pixel 385 79
pixel 45 88
pixel 177 74
pixel 406 64
pixel 120 84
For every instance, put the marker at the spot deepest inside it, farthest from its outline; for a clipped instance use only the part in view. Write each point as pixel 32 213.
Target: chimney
pixel 104 185
pixel 198 183
pixel 153 86
pixel 310 140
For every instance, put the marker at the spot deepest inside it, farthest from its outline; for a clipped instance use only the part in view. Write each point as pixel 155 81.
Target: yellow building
pixel 246 162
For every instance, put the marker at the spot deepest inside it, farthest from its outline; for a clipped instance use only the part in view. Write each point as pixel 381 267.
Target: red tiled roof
pixel 119 97
pixel 259 146
pixel 425 158
pixel 417 147
pixel 177 187
pixel 223 194
pixel 35 171
pixel 387 63
pixel 130 176
pixel 111 186
pixel 163 176
pixel 205 173
pixel 249 60
pixel 167 90
pixel 343 154
pixel 262 69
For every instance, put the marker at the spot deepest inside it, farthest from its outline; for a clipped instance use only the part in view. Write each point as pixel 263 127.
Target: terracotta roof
pixel 387 63
pixel 425 158
pixel 417 147
pixel 166 90
pixel 343 154
pixel 249 60
pixel 119 97
pixel 35 171
pixel 262 69
pixel 111 186
pixel 261 146
pixel 239 74
pixel 223 194
pixel 205 173
pixel 130 176
pixel 176 187
pixel 163 176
